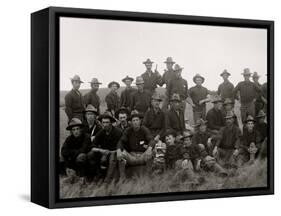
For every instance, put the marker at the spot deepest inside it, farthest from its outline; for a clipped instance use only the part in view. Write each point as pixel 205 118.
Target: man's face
pixel 148 66
pixel 76 84
pixel 225 77
pixel 169 65
pixel 203 128
pixel 140 87
pixel 95 87
pixel 90 117
pixel 187 141
pixel 76 131
pixel 229 121
pixel 170 139
pixel 114 88
pixel 178 74
pixel 106 124
pixel 136 122
pixel 256 79
pixel 128 83
pixel 155 104
pixel 176 105
pixel 247 77
pixel 198 81
pixel 122 117
pixel 218 105
pixel 250 125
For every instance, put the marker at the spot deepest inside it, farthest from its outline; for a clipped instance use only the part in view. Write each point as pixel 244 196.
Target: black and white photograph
pixel 151 108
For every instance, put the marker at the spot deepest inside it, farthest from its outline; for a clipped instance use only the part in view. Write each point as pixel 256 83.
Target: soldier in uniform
pixel 122 115
pixel 74 105
pixel 168 75
pixel 151 79
pixel 248 93
pixel 112 99
pixel 179 86
pixel 126 95
pixel 141 98
pixel 225 89
pixel 259 102
pixel 175 115
pixel 199 96
pixel 155 118
pixel 91 97
pixel 261 127
pixel 215 116
pixel 228 105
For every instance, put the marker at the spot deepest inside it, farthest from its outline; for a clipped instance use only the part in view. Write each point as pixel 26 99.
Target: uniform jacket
pixel 249 137
pixel 229 137
pixel 92 98
pixel 178 86
pixel 168 75
pixel 155 121
pixel 215 119
pixel 175 120
pixel 248 91
pixel 126 97
pixel 225 90
pixel 141 101
pixel 73 103
pixel 93 130
pixel 198 93
pixel 112 101
pixel 151 81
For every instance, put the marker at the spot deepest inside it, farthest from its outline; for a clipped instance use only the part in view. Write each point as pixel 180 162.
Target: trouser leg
pixel 111 167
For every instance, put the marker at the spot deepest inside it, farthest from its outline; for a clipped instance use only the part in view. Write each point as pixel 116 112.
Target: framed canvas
pixel 132 107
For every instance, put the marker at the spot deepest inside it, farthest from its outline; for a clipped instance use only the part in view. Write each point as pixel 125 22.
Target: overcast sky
pixel 110 50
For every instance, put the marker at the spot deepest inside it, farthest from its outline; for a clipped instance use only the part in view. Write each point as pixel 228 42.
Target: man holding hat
pixel 91 97
pixel 248 93
pixel 175 115
pixel 135 146
pixel 199 97
pixel 151 79
pixel 215 116
pixel 260 101
pixel 74 105
pixel 154 118
pixel 178 85
pixel 75 147
pixel 126 94
pixel 112 99
pixel 227 146
pixel 104 146
pixel 225 89
pixel 92 126
pixel 141 98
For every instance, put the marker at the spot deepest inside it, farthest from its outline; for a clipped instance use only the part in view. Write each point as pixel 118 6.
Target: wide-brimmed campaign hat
pixel 175 98
pixel 122 110
pixel 169 60
pixel 91 108
pixel 170 132
pixel 76 78
pixel 261 114
pixel 229 114
pixel 128 78
pixel 139 80
pixel 107 115
pixel 186 134
pixel 112 83
pixel 250 119
pixel 198 76
pixel 148 61
pixel 156 96
pixel 228 101
pixel 134 114
pixel 95 81
pixel 200 122
pixel 246 72
pixel 178 68
pixel 255 75
pixel 217 99
pixel 73 123
pixel 225 72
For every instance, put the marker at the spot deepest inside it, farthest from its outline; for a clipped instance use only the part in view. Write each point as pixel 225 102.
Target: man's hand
pixel 81 157
pixel 215 151
pixel 235 153
pixel 198 165
pixel 119 154
pixel 157 138
pixel 148 153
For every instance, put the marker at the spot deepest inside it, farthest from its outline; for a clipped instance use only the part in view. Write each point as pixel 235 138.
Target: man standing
pixel 175 116
pixel 264 95
pixel 74 105
pixel 91 97
pixel 74 148
pixel 92 126
pixel 215 116
pixel 104 146
pixel 248 93
pixel 166 78
pixel 127 93
pixel 135 145
pixel 225 89
pixel 179 86
pixel 259 103
pixel 112 99
pixel 122 115
pixel 151 79
pixel 198 95
pixel 154 118
pixel 141 98
pixel 227 146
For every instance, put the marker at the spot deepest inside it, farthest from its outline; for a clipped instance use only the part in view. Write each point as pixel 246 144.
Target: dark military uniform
pixel 155 121
pixel 126 97
pixel 151 80
pixel 225 90
pixel 92 98
pixel 92 130
pixel 112 101
pixel 202 138
pixel 175 120
pixel 215 119
pixel 141 101
pixel 173 153
pixel 259 104
pixel 178 86
pixel 264 94
pixel 122 127
pixel 74 105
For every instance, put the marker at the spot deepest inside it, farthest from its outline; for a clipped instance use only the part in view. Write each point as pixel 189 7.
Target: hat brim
pixel 246 74
pixel 232 103
pixel 69 127
pixel 107 117
pixel 95 83
pixel 169 62
pixel 217 101
pixel 225 73
pixel 110 84
pixel 175 100
pixel 72 80
pixel 228 117
pixel 136 115
pixel 131 79
pixel 203 79
pixel 139 83
pixel 186 137
pixel 250 120
pixel 92 111
pixel 146 62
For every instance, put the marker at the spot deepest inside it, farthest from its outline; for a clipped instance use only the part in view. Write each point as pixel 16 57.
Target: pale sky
pixel 109 50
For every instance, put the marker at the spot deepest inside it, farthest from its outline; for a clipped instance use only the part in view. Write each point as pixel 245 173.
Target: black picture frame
pixel 45 100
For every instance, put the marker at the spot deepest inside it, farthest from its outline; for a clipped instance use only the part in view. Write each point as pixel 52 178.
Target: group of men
pixel 143 128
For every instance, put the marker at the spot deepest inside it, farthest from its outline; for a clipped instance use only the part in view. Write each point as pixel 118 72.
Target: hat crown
pixel 76 78
pixel 228 101
pixel 75 121
pixel 156 96
pixel 255 74
pixel 148 61
pixel 217 98
pixel 139 79
pixel 169 60
pixel 261 113
pixel 95 80
pixel 177 67
pixel 246 71
pixel 91 108
pixel 201 122
pixel 113 83
pixel 229 114
pixel 250 118
pixel 187 134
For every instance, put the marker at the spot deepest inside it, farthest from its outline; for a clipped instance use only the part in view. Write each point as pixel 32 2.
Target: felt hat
pixel 200 122
pixel 229 114
pixel 112 83
pixel 225 72
pixel 122 110
pixel 76 78
pixel 128 78
pixel 178 68
pixel 156 96
pixel 175 97
pixel 73 123
pixel 136 113
pixel 169 60
pixel 261 114
pixel 255 75
pixel 217 99
pixel 95 81
pixel 186 134
pixel 246 72
pixel 91 108
pixel 148 61
pixel 249 118
pixel 139 80
pixel 170 132
pixel 198 76
pixel 107 115
pixel 227 101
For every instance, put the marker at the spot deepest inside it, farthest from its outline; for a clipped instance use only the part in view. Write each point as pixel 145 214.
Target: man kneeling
pixel 135 146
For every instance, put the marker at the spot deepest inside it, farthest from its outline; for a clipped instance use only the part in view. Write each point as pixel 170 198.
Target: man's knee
pixel 81 158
